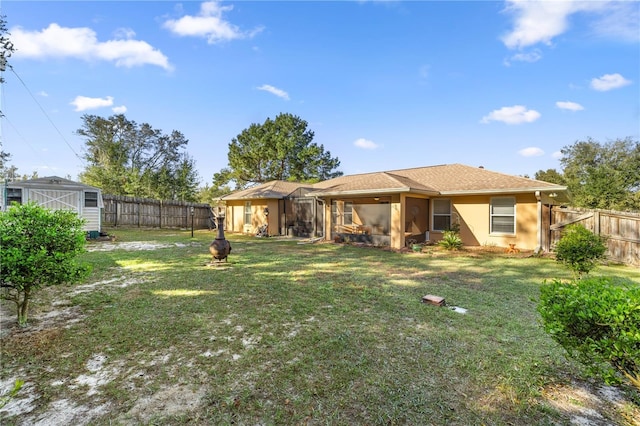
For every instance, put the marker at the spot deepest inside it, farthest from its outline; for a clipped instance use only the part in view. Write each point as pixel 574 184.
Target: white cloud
pixel 533 56
pixel 274 90
pixel 124 33
pixel 82 43
pixel 571 106
pixel 540 21
pixel 119 109
pixel 532 151
pixel 43 94
pixel 621 22
pixel 83 103
pixel 516 114
pixel 536 21
pixel 365 144
pixel 210 24
pixel 557 155
pixel 609 82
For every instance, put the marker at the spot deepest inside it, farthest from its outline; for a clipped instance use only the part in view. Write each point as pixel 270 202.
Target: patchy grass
pixel 288 333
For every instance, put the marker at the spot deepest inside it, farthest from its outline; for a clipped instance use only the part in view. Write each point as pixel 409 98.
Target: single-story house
pixel 280 205
pixel 392 207
pixel 56 193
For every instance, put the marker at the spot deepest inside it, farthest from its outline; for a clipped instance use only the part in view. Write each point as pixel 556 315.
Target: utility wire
pixel 45 113
pixel 36 152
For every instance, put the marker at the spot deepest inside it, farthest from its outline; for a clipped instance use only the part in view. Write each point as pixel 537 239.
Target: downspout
pixel 539 227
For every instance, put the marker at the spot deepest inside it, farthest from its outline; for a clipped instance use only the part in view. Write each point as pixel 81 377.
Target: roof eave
pixel 504 191
pixel 370 192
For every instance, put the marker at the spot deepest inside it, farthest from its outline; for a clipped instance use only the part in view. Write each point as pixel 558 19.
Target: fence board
pixel 621 230
pixel 147 213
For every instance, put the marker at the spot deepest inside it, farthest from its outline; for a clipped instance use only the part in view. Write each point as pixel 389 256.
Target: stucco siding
pixel 235 216
pixel 474 214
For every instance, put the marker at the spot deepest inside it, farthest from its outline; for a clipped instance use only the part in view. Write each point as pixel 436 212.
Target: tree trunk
pixel 23 309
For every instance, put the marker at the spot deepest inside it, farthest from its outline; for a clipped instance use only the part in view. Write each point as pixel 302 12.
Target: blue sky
pixel 383 84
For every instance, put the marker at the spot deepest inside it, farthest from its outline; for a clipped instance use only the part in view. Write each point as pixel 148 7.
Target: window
pixel 14 195
pixel 348 213
pixel 441 215
pixel 247 212
pixel 503 215
pixel 91 199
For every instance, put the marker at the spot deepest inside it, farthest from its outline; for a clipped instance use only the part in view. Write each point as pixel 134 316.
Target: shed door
pixel 56 199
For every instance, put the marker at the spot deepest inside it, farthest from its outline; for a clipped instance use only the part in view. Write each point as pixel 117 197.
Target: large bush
pixel 597 320
pixel 38 248
pixel 580 249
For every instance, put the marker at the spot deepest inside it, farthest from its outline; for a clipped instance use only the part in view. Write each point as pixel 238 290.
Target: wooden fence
pixel 621 230
pixel 147 213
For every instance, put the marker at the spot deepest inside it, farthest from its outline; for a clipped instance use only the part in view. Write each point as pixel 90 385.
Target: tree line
pixel 600 175
pixel 126 158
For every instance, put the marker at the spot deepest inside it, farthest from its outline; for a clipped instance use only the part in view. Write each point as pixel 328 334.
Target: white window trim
pixel 433 214
pixel 84 202
pixel 491 215
pixel 247 204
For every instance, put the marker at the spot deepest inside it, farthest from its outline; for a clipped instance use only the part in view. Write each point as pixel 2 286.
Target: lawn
pixel 287 333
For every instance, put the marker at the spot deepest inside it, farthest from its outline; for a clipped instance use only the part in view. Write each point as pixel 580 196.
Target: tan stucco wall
pixel 235 216
pixel 397 221
pixel 475 217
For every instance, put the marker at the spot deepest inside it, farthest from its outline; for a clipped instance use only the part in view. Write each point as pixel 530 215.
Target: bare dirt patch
pixel 583 404
pixel 44 328
pixel 589 405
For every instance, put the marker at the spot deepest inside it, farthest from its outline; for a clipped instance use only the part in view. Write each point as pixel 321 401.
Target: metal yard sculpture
pixel 220 247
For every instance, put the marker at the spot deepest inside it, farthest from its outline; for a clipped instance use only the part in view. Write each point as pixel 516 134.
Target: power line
pixel 45 113
pixel 5 118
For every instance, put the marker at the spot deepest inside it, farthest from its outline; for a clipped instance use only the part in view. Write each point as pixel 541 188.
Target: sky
pixel 384 85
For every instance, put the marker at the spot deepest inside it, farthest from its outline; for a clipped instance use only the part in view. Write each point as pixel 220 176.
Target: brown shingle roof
pixel 447 179
pixel 442 179
pixel 274 189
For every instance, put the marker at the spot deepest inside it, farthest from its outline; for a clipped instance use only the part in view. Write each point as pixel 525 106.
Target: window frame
pixel 247 212
pixel 347 213
pixel 13 198
pixel 90 201
pixel 493 215
pixel 434 214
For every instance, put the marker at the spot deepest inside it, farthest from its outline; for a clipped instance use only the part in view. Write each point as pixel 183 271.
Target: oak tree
pixel 600 175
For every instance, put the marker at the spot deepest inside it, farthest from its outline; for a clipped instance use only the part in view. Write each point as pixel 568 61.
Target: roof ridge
pixel 403 181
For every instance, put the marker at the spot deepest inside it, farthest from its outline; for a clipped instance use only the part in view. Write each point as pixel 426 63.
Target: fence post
pixel 160 214
pixel 596 222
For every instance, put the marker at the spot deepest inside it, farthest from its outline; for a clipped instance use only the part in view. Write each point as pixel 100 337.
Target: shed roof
pixel 51 182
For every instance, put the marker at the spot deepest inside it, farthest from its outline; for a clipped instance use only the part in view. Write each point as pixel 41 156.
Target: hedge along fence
pixel 621 230
pixel 147 213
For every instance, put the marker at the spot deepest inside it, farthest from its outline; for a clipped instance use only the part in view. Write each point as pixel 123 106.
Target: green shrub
pixel 579 249
pixel 597 321
pixel 451 239
pixel 39 248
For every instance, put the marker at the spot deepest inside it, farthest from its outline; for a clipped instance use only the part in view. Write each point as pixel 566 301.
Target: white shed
pixel 56 193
